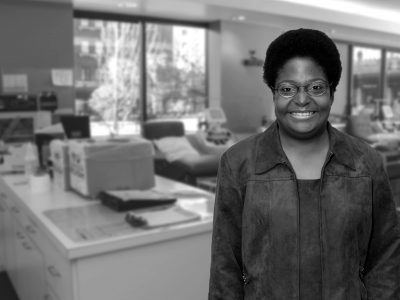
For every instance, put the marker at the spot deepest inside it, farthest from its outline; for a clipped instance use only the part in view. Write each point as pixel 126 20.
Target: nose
pixel 302 97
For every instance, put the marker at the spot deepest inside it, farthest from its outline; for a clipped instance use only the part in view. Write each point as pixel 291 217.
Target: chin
pixel 306 133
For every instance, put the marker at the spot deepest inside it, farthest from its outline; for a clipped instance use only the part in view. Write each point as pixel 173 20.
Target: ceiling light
pixel 357 8
pixel 127 4
pixel 239 18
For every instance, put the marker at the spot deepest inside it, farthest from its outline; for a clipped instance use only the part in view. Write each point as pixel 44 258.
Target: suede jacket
pixel 255 243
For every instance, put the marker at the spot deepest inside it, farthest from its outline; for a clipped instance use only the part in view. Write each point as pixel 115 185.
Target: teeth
pixel 302 114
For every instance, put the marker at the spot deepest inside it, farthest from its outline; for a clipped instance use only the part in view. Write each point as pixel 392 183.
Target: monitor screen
pixel 215 115
pixel 76 127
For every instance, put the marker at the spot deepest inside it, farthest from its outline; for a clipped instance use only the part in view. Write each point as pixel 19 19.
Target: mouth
pixel 302 115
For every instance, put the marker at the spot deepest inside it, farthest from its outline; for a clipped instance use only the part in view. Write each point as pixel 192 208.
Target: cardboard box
pixel 60 160
pixel 101 165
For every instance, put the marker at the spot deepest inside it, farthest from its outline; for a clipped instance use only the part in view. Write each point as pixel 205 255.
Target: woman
pixel 302 210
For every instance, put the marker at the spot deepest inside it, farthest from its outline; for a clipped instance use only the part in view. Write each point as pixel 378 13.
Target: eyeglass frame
pixel 329 85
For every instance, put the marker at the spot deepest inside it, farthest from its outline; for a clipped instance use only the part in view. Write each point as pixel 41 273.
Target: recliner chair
pixel 185 169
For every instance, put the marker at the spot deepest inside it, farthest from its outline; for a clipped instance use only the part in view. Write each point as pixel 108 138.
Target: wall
pixel 341 100
pixel 214 64
pixel 244 96
pixel 37 37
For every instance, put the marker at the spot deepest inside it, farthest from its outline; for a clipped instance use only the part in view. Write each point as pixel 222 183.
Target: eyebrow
pixel 301 84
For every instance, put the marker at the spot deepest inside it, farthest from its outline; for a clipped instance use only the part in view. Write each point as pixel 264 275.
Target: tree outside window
pixel 108 79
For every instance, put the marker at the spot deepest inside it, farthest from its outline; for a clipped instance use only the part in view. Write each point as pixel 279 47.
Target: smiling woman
pixel 295 204
pixel 304 114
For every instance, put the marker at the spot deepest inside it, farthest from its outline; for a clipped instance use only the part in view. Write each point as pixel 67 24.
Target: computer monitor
pixel 215 115
pixel 76 127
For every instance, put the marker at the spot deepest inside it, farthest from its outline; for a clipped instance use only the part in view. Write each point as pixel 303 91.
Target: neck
pixel 305 147
pixel 307 156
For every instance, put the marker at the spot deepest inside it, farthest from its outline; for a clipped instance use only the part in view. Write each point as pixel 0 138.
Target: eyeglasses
pixel 314 89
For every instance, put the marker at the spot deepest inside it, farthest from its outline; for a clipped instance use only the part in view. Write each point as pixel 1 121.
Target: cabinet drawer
pixel 32 230
pixel 28 225
pixel 58 274
pixel 15 210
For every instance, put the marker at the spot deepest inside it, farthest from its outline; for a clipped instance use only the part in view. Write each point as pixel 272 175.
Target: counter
pixel 83 250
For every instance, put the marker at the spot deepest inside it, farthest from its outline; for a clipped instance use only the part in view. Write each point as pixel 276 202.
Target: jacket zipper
pixel 298 226
pixel 328 158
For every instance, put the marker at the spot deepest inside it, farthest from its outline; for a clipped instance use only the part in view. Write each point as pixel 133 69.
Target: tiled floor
pixel 6 289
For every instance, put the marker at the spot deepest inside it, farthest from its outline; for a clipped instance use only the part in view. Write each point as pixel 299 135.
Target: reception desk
pixel 61 246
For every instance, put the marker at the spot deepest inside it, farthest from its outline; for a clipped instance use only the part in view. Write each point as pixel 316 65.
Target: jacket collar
pixel 269 151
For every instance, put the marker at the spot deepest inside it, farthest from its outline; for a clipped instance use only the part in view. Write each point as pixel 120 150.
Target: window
pixel 392 79
pixel 175 67
pixel 366 77
pixel 109 65
pixel 109 80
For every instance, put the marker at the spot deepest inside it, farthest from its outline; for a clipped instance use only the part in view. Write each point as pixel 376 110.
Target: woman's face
pixel 302 116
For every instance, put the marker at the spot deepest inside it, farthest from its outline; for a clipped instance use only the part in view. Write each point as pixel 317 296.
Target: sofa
pixel 180 156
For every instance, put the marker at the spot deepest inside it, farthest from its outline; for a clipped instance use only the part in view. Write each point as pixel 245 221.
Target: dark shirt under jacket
pixel 310 247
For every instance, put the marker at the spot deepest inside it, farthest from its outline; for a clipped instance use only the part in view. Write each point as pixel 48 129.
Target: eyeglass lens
pixel 313 89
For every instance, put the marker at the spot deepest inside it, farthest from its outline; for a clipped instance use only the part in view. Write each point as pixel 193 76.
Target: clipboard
pixel 161 216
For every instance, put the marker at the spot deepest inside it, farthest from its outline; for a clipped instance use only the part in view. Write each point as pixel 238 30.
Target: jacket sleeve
pixel 382 267
pixel 226 279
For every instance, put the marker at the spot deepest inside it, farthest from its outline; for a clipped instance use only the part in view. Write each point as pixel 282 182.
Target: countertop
pixel 81 227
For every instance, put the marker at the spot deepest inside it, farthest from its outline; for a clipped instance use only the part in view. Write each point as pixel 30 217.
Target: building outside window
pixel 366 78
pixel 176 86
pixel 108 79
pixel 392 80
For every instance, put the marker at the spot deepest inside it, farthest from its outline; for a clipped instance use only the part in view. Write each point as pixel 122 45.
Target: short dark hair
pixel 303 42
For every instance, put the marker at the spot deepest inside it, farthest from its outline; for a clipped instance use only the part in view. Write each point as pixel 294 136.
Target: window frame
pixel 384 50
pixel 142 20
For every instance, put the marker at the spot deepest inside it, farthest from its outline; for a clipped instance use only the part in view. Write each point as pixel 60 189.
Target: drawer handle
pixel 15 210
pixel 30 229
pixel 53 271
pixel 26 246
pixel 19 235
pixel 48 297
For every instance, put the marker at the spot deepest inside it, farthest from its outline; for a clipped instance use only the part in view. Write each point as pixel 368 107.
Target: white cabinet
pixel 43 263
pixel 30 263
pixel 2 235
pixel 175 269
pixel 58 273
pixel 24 261
pixel 9 236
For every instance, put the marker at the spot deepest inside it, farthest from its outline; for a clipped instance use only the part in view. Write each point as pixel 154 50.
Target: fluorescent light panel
pixel 350 7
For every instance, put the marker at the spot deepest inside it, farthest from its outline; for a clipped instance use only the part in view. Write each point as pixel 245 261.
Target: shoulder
pixel 244 149
pixel 240 158
pixel 362 153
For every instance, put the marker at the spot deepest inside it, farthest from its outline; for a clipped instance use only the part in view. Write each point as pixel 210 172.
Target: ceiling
pixel 377 15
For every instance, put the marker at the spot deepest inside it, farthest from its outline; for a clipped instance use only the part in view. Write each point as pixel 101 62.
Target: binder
pixel 124 200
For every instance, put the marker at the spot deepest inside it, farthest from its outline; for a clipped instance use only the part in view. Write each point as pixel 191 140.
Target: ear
pixel 273 94
pixel 332 95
